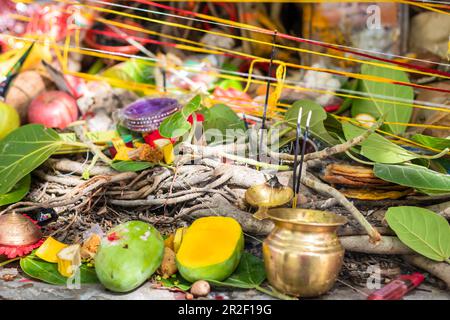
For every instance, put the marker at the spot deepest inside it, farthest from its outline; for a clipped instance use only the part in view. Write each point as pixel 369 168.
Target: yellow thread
pixel 295 88
pixel 405 124
pixel 348 74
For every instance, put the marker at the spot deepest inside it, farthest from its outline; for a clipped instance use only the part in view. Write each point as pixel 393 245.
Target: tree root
pixel 440 270
pixel 386 245
pixel 217 205
pixel 67 165
pixel 320 187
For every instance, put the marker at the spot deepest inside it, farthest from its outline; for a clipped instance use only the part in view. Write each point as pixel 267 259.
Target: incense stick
pixel 296 147
pixel 305 137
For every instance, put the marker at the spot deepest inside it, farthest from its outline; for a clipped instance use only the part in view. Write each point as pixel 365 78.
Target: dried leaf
pixel 370 194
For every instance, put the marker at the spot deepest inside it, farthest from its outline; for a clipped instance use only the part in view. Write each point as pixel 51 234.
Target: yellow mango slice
pixel 211 249
pixel 69 259
pixel 49 249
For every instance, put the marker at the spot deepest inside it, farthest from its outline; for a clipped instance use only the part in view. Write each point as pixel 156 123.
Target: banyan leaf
pixel 393 96
pixel 176 124
pixel 222 117
pixel 351 85
pixel 124 166
pixel 433 142
pixel 319 115
pixel 377 148
pixel 23 150
pixel 48 272
pixel 414 176
pixel 17 192
pixel 422 230
pixel 249 274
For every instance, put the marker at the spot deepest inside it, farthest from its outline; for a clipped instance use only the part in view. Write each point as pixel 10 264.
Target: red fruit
pixel 155 135
pixel 53 109
pixel 199 117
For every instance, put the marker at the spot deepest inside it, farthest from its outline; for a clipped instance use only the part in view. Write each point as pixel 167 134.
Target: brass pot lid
pixel 18 230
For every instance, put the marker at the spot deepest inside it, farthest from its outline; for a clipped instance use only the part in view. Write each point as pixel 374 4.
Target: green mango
pixel 128 255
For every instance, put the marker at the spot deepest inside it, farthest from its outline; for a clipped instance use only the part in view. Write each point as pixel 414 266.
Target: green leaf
pixel 176 124
pixel 377 148
pixel 48 272
pixel 414 176
pixel 124 166
pixel 249 274
pixel 17 192
pixel 351 85
pixel 393 110
pixel 23 150
pixel 176 281
pixel 433 142
pixel 222 117
pixel 319 115
pixel 422 230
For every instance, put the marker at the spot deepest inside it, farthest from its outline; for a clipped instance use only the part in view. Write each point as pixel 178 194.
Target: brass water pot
pixel 302 254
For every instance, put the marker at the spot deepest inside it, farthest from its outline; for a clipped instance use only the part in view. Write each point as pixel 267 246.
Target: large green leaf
pixel 17 192
pixel 394 97
pixel 422 230
pixel 48 272
pixel 433 142
pixel 414 176
pixel 23 150
pixel 124 166
pixel 222 117
pixel 249 274
pixel 319 115
pixel 377 148
pixel 176 124
pixel 351 85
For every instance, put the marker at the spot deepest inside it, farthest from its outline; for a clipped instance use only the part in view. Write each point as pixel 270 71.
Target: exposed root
pixel 386 245
pixel 219 206
pixel 439 269
pixel 320 187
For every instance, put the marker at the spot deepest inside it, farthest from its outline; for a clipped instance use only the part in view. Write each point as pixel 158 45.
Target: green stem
pixel 74 144
pixel 275 293
pixel 349 154
pixel 4 263
pixel 436 156
pixel 85 174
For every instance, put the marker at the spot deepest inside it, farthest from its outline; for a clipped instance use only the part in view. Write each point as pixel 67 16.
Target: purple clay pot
pixel 146 115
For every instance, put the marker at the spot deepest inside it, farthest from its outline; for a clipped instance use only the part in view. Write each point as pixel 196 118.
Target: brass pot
pixel 302 254
pixel 18 230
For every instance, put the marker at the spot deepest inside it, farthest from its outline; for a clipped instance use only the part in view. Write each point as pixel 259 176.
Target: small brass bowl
pixel 302 254
pixel 268 195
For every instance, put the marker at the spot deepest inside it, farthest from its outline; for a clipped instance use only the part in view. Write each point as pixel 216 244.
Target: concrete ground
pixel 21 288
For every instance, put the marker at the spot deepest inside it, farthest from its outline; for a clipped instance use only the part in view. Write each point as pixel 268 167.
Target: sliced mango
pixel 210 249
pixel 166 146
pixel 178 238
pixel 69 259
pixel 49 249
